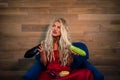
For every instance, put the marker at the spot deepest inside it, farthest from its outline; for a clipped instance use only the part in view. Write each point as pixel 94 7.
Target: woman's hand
pixel 41 48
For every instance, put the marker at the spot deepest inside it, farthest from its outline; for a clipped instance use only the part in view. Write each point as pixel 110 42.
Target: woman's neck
pixel 55 43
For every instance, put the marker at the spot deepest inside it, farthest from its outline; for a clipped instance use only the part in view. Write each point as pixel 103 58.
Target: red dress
pixel 56 67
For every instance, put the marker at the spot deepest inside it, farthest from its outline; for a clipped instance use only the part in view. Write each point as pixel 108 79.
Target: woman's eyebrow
pixel 54 25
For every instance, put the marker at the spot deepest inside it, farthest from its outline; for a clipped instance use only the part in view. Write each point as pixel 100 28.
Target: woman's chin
pixel 55 35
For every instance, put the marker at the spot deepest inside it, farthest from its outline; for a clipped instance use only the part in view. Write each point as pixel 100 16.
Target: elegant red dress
pixel 56 67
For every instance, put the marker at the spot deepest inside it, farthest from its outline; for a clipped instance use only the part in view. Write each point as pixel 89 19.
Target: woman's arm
pixel 42 53
pixel 43 58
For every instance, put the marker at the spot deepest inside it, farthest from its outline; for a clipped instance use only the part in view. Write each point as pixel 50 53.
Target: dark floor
pixel 17 71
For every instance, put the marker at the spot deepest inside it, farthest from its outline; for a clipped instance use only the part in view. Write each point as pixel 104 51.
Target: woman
pixel 57 56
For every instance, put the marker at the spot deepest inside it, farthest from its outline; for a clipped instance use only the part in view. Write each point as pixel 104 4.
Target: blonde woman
pixel 57 56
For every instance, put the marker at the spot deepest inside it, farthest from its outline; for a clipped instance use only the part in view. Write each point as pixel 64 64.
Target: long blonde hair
pixel 64 42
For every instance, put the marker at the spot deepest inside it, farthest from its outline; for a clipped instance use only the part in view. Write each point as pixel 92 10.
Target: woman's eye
pixel 59 27
pixel 53 26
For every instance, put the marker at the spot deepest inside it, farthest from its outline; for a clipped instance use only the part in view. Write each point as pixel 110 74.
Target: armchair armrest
pixel 78 60
pixel 35 70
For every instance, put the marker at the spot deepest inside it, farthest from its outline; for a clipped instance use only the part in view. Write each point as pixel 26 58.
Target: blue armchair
pixel 78 63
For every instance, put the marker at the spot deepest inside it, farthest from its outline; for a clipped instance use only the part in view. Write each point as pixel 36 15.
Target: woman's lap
pixel 81 74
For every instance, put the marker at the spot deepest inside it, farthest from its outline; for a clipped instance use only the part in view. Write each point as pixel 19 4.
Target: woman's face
pixel 56 29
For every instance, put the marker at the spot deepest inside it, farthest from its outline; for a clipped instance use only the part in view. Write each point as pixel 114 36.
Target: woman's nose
pixel 55 28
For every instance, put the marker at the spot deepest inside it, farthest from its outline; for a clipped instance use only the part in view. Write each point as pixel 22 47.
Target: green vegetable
pixel 78 50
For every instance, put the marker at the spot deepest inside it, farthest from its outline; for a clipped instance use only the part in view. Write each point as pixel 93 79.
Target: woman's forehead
pixel 57 23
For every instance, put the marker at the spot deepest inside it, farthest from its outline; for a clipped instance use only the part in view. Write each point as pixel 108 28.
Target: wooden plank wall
pixel 23 23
